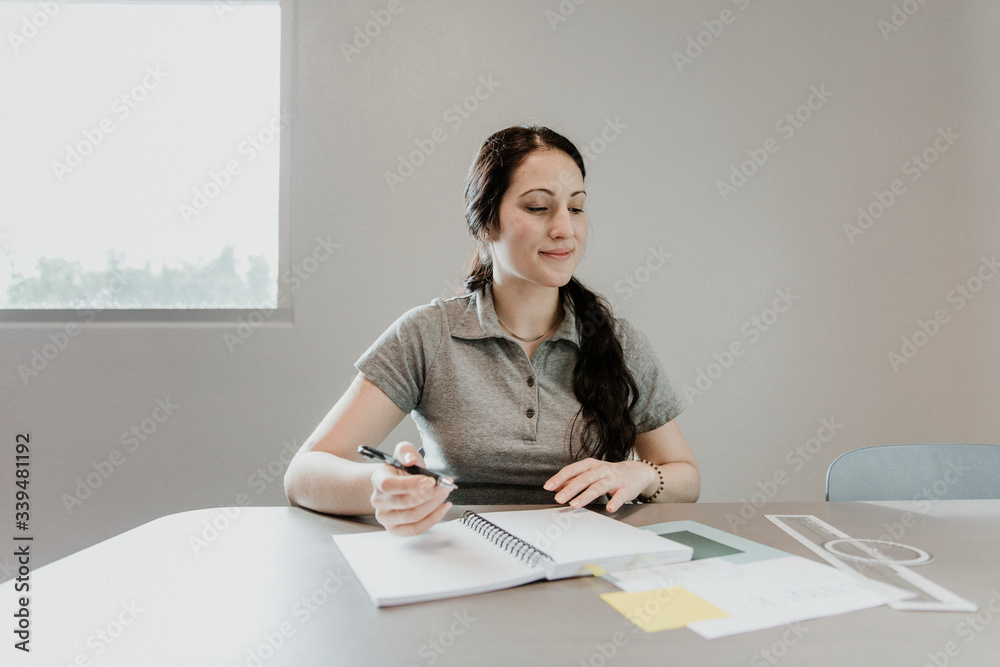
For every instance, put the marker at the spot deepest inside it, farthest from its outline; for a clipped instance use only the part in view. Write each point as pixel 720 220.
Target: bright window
pixel 141 151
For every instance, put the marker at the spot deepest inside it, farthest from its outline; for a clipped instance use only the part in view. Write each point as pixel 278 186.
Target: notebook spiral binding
pixel 500 537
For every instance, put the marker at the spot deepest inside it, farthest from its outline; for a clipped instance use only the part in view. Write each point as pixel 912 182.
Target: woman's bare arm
pixel 327 474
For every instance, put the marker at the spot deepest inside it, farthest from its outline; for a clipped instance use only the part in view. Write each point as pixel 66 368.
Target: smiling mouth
pixel 558 254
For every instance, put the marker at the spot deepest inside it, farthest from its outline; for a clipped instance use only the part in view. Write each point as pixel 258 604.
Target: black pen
pixel 376 455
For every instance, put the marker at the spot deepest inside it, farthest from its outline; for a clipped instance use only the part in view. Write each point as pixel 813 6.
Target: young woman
pixel 525 390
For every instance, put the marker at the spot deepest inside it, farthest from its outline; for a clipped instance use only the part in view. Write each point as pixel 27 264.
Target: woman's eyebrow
pixel 550 193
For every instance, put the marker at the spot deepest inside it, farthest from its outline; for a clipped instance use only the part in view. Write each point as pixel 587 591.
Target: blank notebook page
pixel 449 560
pixel 574 538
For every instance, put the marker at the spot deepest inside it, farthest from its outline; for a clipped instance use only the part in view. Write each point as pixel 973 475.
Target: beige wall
pixel 661 137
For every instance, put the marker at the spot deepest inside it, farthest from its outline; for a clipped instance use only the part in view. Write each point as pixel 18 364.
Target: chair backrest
pixel 911 472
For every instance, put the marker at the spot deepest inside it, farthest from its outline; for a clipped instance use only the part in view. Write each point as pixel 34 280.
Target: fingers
pixel 407 504
pixel 558 480
pixel 582 493
pixel 407 527
pixel 393 489
pixel 620 498
pixel 408 454
pixel 584 488
pixel 582 482
pixel 585 481
pixel 413 506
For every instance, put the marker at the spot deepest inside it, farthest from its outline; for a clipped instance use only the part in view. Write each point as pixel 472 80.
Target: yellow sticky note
pixel 663 608
pixel 595 570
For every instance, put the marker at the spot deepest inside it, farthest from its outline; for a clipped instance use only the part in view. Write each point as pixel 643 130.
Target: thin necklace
pixel 524 340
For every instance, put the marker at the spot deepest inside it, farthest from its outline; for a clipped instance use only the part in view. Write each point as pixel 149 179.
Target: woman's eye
pixel 535 209
pixel 577 211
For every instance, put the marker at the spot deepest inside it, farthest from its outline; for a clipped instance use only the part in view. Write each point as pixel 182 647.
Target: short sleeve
pixel 399 360
pixel 658 402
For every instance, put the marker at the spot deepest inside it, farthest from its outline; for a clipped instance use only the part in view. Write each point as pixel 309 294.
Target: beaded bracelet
pixel 658 488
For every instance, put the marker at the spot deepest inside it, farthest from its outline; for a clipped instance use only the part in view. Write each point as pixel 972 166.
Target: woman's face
pixel 543 227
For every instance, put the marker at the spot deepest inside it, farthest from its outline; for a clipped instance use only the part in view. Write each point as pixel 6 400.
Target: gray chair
pixel 915 472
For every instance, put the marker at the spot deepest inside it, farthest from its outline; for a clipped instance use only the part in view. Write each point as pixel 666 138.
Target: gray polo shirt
pixel 495 420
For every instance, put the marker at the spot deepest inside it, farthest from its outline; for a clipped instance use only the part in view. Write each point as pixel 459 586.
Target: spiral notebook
pixel 495 550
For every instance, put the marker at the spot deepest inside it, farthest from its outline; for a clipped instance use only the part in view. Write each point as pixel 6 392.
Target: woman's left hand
pixel 585 481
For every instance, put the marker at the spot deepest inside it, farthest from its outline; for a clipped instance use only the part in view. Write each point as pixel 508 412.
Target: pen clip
pixel 376 455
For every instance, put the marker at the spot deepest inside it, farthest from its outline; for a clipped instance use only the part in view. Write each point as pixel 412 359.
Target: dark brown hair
pixel 601 381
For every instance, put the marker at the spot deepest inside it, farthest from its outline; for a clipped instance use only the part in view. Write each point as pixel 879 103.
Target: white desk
pixel 270 588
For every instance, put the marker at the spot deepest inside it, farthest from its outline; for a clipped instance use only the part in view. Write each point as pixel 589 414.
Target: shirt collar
pixel 479 320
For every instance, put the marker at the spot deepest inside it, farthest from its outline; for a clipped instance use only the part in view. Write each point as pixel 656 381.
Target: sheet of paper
pixel 757 595
pixel 748 551
pixel 662 608
pixel 666 576
pixel 906 590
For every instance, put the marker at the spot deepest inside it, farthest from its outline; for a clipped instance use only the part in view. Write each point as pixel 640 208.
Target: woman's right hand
pixel 407 504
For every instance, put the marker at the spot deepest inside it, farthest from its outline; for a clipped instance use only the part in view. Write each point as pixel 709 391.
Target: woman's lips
pixel 563 253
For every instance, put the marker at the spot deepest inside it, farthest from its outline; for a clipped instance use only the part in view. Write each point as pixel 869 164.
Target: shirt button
pixel 529 413
pixel 531 381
